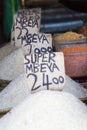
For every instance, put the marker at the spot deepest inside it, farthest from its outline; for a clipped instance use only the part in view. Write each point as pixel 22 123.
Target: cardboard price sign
pixel 37 43
pixel 27 21
pixel 29 13
pixel 45 71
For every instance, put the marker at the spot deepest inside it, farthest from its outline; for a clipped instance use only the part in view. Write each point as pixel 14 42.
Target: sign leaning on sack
pixel 44 68
pixel 45 71
pixel 27 21
pixel 37 43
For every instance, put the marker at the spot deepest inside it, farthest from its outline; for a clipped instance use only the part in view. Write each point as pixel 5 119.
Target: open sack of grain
pixel 18 90
pixel 47 110
pixel 74 47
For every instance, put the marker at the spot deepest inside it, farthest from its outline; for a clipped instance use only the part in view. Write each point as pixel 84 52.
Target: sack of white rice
pixel 75 88
pixel 12 65
pixel 6 50
pixel 47 110
pixel 14 93
pixel 18 90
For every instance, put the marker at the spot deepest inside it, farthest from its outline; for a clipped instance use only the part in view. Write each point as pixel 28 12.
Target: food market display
pixel 47 110
pixel 74 47
pixel 70 41
pixel 18 90
pixel 70 36
pixel 41 95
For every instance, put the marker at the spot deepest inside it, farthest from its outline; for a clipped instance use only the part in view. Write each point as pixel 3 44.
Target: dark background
pixel 76 5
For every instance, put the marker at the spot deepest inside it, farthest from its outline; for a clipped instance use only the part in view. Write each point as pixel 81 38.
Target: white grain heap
pixel 47 110
pixel 75 88
pixel 18 90
pixel 12 65
pixel 6 50
pixel 14 93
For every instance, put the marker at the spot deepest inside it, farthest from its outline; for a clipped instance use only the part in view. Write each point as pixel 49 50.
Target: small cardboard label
pixel 37 43
pixel 27 21
pixel 32 14
pixel 45 71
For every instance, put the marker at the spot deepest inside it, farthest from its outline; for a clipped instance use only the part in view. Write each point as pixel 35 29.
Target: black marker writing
pixel 34 87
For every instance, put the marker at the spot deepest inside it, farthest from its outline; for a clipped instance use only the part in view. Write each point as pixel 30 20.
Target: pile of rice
pixel 47 110
pixel 12 65
pixel 18 90
pixel 6 50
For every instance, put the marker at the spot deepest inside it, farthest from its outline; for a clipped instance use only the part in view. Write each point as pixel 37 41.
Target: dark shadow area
pixel 78 5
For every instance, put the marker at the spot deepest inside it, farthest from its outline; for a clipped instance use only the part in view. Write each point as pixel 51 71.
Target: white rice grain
pixel 18 90
pixel 47 110
pixel 12 65
pixel 6 50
